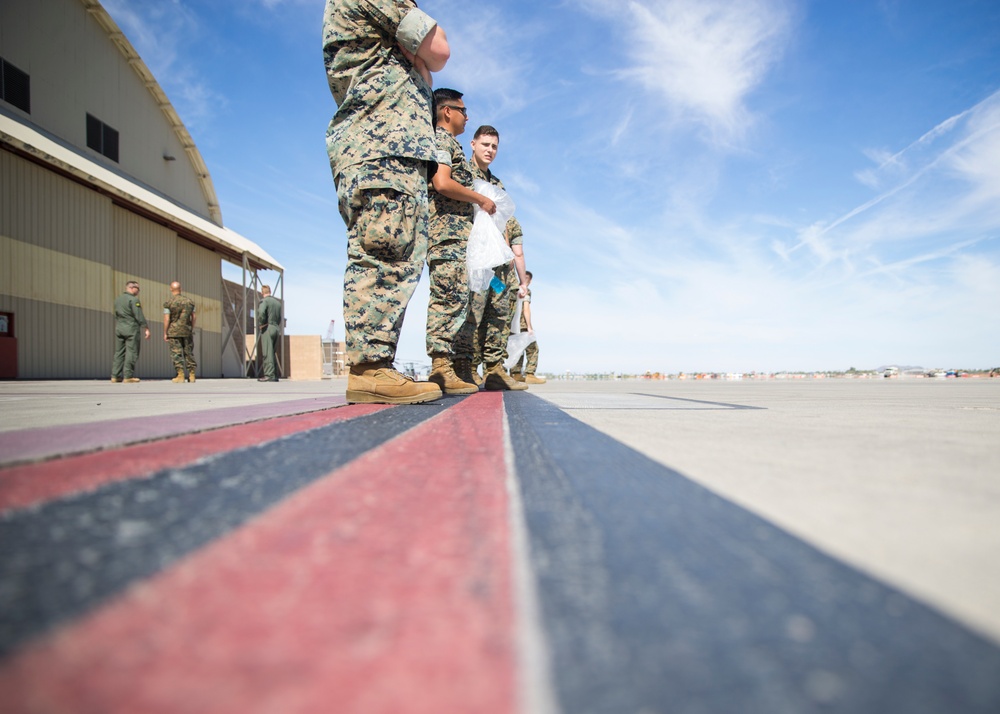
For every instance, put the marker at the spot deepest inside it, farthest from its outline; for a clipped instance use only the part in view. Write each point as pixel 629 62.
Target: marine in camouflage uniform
pixel 450 225
pixel 178 329
pixel 378 56
pixel 129 320
pixel 489 319
pixel 493 311
pixel 451 199
pixel 526 365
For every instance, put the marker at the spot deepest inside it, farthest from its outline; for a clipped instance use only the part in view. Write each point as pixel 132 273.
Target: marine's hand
pixel 522 290
pixel 147 333
pixel 487 205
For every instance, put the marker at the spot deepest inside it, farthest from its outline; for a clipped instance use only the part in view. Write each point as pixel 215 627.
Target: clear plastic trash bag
pixel 487 246
pixel 518 342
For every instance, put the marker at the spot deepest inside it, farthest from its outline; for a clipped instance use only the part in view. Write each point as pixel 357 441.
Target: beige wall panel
pixel 35 273
pixel 142 247
pixel 44 209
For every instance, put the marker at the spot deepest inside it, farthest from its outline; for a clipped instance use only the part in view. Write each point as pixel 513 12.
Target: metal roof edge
pixel 36 146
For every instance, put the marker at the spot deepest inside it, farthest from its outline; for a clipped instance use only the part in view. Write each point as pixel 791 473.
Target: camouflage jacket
pixel 384 105
pixel 181 310
pixel 450 220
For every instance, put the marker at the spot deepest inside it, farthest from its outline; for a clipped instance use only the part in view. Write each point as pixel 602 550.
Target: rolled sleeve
pixel 443 158
pixel 413 29
pixel 514 232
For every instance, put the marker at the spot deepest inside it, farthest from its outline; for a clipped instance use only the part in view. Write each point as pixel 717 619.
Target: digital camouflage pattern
pixel 450 225
pixel 379 142
pixel 181 310
pixel 129 321
pixel 451 220
pixel 386 247
pixel 530 352
pixel 180 330
pixel 182 353
pixel 447 306
pixel 383 104
pixel 488 324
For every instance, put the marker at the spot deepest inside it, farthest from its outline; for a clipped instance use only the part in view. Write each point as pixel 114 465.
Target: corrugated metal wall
pixel 67 251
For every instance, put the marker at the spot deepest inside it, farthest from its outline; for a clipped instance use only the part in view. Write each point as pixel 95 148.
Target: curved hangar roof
pixel 43 148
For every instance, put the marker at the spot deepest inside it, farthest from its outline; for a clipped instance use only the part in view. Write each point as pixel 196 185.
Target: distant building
pixel 101 183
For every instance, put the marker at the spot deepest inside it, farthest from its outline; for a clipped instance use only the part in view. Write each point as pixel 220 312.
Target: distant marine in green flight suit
pixel 129 321
pixel 269 322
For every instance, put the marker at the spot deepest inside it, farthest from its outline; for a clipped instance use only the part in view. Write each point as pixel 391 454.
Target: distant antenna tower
pixel 329 330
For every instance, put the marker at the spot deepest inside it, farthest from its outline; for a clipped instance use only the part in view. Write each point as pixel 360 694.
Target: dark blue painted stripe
pixel 62 558
pixel 659 596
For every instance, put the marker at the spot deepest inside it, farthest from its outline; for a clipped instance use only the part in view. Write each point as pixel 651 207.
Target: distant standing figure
pixel 269 322
pixel 531 351
pixel 178 329
pixel 129 320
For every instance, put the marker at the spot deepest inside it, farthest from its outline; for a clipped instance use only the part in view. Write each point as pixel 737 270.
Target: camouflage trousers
pixel 127 346
pixel 531 354
pixel 448 309
pixel 182 353
pixel 491 314
pixel 384 205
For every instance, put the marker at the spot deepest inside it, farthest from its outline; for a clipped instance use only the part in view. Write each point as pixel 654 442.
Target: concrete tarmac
pixel 895 480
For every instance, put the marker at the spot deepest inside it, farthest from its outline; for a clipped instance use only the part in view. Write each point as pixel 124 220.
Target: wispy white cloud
pixel 945 183
pixel 701 58
pixel 911 274
pixel 160 32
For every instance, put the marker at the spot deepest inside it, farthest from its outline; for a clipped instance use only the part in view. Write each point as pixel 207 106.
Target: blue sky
pixel 704 185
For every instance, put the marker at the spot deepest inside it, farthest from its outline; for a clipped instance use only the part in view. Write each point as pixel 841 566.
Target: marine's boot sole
pixel 355 396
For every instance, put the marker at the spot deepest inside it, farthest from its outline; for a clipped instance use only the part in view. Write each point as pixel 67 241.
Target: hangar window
pixel 15 86
pixel 102 138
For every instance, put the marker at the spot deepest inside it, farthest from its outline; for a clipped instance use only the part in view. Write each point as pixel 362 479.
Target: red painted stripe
pixel 22 486
pixel 382 588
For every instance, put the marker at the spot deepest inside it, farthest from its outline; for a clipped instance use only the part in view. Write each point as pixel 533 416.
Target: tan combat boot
pixel 463 368
pixel 518 376
pixel 131 380
pixel 497 379
pixel 532 379
pixel 379 383
pixel 443 375
pixel 179 377
pixel 476 377
pixel 191 377
pixel 115 380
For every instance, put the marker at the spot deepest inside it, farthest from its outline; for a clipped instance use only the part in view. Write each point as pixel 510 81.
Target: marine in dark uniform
pixel 269 322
